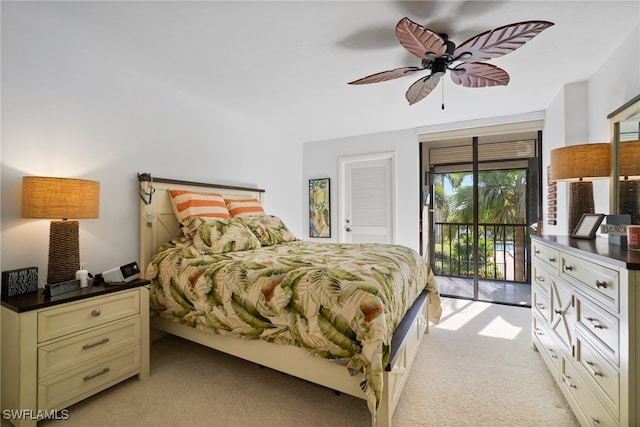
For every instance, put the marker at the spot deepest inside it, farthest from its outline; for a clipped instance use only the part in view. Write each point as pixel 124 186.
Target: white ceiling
pixel 288 63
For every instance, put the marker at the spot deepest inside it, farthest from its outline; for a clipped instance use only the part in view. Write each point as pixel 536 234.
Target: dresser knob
pixel 552 259
pixel 95 312
pixel 595 420
pixel 568 268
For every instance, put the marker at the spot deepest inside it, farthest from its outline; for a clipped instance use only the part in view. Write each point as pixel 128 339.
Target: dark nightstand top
pixel 36 300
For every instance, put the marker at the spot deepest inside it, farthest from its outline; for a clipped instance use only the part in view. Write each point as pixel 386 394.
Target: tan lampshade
pixel 60 198
pixel 581 162
pixel 629 162
pixel 64 199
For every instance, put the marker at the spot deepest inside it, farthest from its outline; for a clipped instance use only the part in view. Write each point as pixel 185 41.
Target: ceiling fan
pixel 438 54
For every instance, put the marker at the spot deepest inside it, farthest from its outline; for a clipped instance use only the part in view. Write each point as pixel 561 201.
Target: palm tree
pixel 501 200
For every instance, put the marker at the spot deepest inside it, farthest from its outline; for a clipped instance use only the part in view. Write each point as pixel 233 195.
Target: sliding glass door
pixel 479 241
pixel 478 206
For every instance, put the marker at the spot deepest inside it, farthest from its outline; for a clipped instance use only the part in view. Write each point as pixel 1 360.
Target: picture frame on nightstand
pixel 19 281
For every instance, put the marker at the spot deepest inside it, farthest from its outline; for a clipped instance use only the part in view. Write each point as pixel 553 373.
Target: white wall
pixel 579 113
pixel 320 160
pixel 67 112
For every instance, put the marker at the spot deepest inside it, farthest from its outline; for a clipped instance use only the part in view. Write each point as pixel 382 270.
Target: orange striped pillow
pixel 190 204
pixel 243 208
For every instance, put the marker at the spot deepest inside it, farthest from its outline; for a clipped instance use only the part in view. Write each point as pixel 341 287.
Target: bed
pixel 332 314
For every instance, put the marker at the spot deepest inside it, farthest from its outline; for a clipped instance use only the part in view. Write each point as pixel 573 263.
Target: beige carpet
pixel 476 368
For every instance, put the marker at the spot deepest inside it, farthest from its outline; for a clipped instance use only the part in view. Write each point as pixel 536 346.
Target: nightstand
pixel 57 351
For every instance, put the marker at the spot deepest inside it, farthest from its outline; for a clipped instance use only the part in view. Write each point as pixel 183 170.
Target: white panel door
pixel 367 199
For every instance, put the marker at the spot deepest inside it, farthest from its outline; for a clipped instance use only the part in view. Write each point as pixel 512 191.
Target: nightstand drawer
pixel 62 320
pixel 72 352
pixel 59 391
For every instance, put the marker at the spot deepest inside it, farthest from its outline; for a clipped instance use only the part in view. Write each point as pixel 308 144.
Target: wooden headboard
pixel 158 223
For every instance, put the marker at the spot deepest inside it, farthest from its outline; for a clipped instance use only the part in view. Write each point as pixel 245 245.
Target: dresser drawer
pixel 548 256
pixel 546 345
pixel 540 303
pixel 604 327
pixel 62 320
pixel 74 351
pixel 592 409
pixel 603 377
pixel 542 278
pixel 604 281
pixel 59 391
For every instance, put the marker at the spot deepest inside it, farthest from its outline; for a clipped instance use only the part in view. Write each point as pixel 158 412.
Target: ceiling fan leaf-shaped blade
pixel 386 75
pixel 478 74
pixel 421 88
pixel 498 42
pixel 419 40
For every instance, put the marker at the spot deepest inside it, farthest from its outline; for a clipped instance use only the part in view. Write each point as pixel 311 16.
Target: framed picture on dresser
pixel 588 225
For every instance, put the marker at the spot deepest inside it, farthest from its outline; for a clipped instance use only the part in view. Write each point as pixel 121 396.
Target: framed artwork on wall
pixel 319 208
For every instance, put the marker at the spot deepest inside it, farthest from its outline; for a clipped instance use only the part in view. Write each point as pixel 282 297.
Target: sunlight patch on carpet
pixel 462 316
pixel 500 328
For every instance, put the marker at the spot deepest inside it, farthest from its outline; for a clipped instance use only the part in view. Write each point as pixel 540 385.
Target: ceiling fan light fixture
pixel 439 68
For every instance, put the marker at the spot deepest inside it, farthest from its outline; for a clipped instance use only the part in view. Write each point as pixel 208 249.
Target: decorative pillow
pixel 191 204
pixel 244 208
pixel 269 229
pixel 222 235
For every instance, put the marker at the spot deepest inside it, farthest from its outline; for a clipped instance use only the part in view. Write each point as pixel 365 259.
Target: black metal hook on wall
pixel 146 195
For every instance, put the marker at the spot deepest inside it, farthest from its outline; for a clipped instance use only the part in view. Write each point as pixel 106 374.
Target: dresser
pixel 585 305
pixel 59 350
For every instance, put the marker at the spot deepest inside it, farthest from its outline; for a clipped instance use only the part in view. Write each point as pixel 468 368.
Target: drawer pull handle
pixel 566 379
pixel 88 346
pixel 568 268
pixel 96 312
pixel 540 306
pixel 557 311
pixel 537 251
pixel 595 323
pixel 90 377
pixel 595 420
pixel 601 284
pixel 552 259
pixel 593 365
pixel 540 278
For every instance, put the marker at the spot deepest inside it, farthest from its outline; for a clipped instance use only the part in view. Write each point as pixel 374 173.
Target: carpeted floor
pixel 476 368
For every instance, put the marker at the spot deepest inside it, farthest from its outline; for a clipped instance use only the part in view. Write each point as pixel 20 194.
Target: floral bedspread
pixel 339 301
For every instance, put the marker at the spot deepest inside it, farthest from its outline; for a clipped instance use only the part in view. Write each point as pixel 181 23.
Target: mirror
pixel 625 160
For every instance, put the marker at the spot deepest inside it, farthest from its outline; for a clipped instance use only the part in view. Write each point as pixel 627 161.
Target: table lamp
pixel 579 164
pixel 65 200
pixel 629 168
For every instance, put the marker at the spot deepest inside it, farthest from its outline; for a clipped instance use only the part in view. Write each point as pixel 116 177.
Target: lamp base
pixel 629 200
pixel 580 202
pixel 64 251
